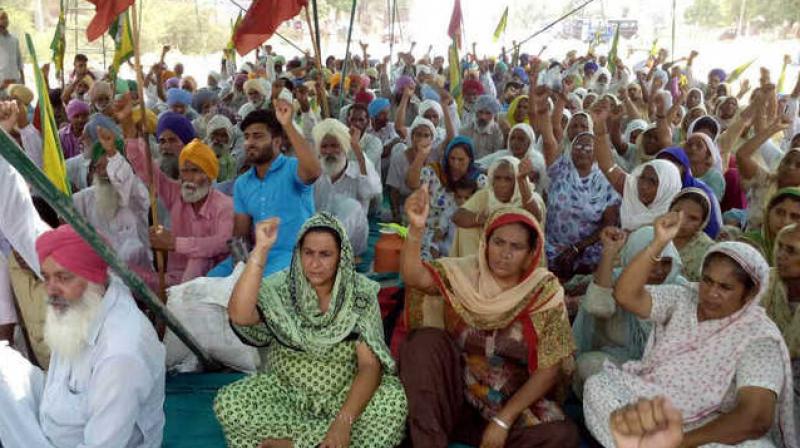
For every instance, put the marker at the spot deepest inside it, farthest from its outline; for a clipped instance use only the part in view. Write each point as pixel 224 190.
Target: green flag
pixel 120 31
pixel 455 75
pixel 59 43
pixel 612 54
pixel 230 49
pixel 501 27
pixel 737 72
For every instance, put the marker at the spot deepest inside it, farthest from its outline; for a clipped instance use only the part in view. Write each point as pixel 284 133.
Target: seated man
pixel 201 216
pixel 342 177
pixel 257 96
pixel 371 146
pixel 105 386
pixel 25 134
pixel 276 185
pixel 117 203
pixel 221 139
pixel 174 131
pixel 484 130
pixel 70 134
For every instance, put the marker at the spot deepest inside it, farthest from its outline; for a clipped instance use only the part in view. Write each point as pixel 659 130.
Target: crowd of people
pixel 596 253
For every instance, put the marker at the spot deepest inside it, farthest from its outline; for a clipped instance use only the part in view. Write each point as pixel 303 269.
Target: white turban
pixel 333 127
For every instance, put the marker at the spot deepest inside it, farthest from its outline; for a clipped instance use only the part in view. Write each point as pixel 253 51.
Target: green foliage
pixel 704 12
pixel 178 24
pixel 726 12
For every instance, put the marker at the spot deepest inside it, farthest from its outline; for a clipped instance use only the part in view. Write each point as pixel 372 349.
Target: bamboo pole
pixel 63 205
pixel 318 62
pixel 347 54
pixel 160 265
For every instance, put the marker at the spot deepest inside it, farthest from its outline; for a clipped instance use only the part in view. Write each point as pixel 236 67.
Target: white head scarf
pixel 712 148
pixel 516 198
pixel 218 122
pixel 420 121
pixel 634 213
pixel 427 105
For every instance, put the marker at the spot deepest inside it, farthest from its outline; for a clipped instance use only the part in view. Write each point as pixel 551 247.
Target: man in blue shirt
pixel 276 185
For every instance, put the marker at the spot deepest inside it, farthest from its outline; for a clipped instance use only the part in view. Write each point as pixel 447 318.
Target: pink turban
pixel 68 249
pixel 76 107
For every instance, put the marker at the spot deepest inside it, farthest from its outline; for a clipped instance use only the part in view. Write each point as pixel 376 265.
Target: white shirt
pixel 372 148
pixel 351 184
pixel 398 168
pixel 32 143
pixel 112 395
pixel 23 226
pixel 128 230
pixel 78 171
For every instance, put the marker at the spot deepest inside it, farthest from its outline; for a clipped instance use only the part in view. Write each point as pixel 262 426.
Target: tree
pixel 704 13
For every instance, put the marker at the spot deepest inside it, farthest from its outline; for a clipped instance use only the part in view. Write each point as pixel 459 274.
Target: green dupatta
pixel 289 306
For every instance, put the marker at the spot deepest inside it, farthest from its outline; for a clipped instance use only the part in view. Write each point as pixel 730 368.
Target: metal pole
pixel 673 29
pixel 555 22
pixel 347 54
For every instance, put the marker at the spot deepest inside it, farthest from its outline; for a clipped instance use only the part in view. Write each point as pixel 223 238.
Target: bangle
pixel 655 259
pixel 348 418
pixel 611 170
pixel 499 422
pixel 575 249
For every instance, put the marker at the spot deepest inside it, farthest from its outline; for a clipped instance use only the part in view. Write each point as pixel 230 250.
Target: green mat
pixel 189 409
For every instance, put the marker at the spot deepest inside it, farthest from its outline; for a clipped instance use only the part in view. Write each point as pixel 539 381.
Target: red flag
pixel 454 30
pixel 261 21
pixel 105 12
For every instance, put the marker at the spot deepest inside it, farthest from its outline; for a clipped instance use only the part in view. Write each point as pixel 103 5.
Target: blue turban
pixel 520 73
pixel 501 67
pixel 719 73
pixel 591 66
pixel 487 103
pixel 201 97
pixel 178 96
pixel 377 106
pixel 178 124
pixel 102 121
pixel 428 93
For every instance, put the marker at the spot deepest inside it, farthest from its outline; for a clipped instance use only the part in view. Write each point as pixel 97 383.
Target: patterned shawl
pixel 468 285
pixel 290 311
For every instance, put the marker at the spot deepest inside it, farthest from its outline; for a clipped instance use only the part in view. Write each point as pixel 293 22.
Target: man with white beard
pixel 201 217
pixel 221 140
pixel 341 176
pixel 257 96
pixel 105 385
pixel 117 203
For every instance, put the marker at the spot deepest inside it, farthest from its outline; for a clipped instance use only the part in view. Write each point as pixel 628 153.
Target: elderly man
pixel 342 177
pixel 24 132
pixel 71 133
pixel 276 185
pixel 371 146
pixel 11 70
pixel 105 385
pixel 220 139
pixel 179 101
pixel 174 131
pixel 257 96
pixel 201 217
pixel 100 95
pixel 484 130
pixel 117 203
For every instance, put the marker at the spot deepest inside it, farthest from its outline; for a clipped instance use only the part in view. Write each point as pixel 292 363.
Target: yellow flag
pixel 53 163
pixel 501 27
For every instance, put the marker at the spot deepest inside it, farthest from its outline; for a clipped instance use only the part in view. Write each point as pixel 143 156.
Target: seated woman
pixel 604 331
pixel 331 379
pixel 706 162
pixel 508 186
pixel 487 374
pixel 521 144
pixel 691 241
pixel 678 156
pixel 783 295
pixel 580 201
pixel 713 351
pixel 647 191
pixel 458 162
pixel 782 210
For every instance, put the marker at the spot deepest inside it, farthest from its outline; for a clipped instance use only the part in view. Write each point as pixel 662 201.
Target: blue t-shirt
pixel 281 193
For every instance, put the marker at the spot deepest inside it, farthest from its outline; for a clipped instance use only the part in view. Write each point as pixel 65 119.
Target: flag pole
pixel 554 23
pixel 162 281
pixel 318 62
pixel 347 53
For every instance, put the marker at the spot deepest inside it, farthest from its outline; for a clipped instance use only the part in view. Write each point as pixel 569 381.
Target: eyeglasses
pixel 586 147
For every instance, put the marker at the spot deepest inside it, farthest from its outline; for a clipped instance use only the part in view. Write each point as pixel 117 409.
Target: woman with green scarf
pixel 329 379
pixel 691 241
pixel 782 210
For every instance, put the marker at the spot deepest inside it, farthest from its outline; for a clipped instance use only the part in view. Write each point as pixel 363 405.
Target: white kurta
pixel 127 231
pixel 111 395
pixel 351 184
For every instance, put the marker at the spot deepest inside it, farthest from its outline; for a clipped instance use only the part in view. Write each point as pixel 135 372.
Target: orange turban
pixel 201 155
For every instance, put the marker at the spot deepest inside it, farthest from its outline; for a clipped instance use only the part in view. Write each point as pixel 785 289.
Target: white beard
pixel 191 192
pixel 333 165
pixel 66 332
pixel 219 150
pixel 106 199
